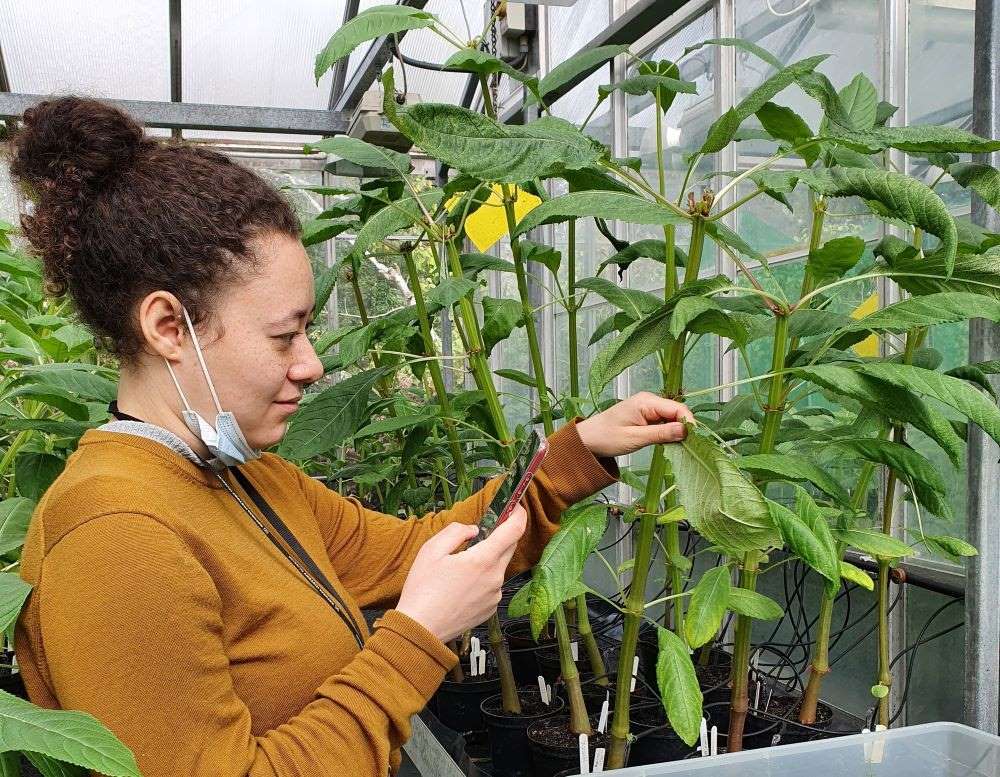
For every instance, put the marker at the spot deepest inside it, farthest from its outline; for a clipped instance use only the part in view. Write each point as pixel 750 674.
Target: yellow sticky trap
pixel 868 346
pixel 488 223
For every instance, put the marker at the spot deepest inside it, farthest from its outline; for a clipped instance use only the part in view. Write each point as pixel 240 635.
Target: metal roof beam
pixel 627 28
pixel 368 69
pixel 232 118
pixel 176 73
pixel 340 68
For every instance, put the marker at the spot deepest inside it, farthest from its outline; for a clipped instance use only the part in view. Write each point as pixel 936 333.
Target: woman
pixel 159 604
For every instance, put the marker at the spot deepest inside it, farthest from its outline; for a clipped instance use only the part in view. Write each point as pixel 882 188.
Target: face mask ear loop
pixel 178 385
pixel 201 360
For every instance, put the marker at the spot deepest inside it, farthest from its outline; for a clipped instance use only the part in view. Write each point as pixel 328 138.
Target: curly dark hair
pixel 118 215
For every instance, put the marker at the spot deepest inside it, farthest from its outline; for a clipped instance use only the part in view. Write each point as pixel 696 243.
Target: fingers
pixel 656 409
pixel 450 539
pixel 503 541
pixel 661 434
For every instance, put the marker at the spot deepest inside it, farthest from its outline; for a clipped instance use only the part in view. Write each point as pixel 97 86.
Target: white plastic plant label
pixel 584 754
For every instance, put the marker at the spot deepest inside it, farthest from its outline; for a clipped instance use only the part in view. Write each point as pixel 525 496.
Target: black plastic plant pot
pixel 509 747
pixel 786 709
pixel 655 740
pixel 758 731
pixel 594 694
pixel 458 704
pixel 524 651
pixel 555 748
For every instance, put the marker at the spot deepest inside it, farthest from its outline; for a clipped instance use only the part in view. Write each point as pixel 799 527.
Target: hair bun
pixel 71 146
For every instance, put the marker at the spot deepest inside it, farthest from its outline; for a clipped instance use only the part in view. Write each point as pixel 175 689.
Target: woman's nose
pixel 307 368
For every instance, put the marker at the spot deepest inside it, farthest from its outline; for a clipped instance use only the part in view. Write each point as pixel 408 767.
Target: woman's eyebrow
pixel 294 316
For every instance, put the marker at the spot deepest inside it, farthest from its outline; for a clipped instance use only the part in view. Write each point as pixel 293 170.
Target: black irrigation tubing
pixel 867 633
pixel 913 661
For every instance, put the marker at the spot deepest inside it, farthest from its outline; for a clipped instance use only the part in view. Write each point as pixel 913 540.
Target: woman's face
pixel 256 347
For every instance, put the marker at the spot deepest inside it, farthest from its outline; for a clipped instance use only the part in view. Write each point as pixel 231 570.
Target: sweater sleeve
pixel 132 632
pixel 372 552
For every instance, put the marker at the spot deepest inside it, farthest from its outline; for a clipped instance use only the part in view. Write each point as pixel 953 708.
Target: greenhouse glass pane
pixel 8 196
pixel 99 48
pixel 572 27
pixel 938 675
pixel 254 52
pixel 685 125
pixel 849 30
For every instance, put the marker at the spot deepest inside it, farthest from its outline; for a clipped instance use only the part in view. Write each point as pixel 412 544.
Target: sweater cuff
pixel 412 650
pixel 574 471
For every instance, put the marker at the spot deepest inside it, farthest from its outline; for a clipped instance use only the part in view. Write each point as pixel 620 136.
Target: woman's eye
pixel 287 339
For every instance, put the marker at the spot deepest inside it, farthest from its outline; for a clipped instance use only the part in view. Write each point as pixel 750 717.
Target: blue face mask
pixel 225 441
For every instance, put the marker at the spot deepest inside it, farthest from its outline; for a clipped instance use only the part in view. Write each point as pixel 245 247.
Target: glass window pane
pixel 684 125
pixel 99 48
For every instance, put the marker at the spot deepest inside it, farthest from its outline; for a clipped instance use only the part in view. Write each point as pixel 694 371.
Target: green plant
pixel 54 386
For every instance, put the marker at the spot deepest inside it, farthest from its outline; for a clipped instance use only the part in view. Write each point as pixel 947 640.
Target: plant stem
pixel 434 368
pixel 739 703
pixel 579 722
pixel 888 509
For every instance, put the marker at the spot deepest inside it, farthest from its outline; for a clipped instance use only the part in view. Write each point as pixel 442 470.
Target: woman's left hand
pixel 642 419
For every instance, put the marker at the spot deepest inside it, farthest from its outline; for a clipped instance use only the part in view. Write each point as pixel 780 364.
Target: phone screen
pixel 526 453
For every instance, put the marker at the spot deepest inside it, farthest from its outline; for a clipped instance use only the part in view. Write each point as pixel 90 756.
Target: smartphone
pixel 515 482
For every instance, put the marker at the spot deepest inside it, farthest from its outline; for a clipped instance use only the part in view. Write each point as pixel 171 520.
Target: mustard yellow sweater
pixel 162 610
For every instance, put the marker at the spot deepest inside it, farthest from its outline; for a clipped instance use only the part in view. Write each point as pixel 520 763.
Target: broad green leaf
pixel 449 291
pixel 584 61
pixel 904 198
pixel 795 468
pixel 754 605
pixel 899 404
pixel 517 376
pixel 739 43
pixel 562 561
pixel 929 310
pixel 724 128
pixel 678 686
pixel 874 543
pixel 951 391
pixel 723 235
pixel 520 603
pixel 598 204
pixel 917 139
pixel 801 540
pixel 544 255
pixel 858 576
pixel 902 459
pixel 60 400
pixel 483 148
pixel 35 472
pixel 834 258
pixel 367 25
pixel 75 737
pixel 395 217
pixel 721 504
pixel 18 266
pixel 78 381
pixel 919 275
pixel 951 548
pixel 707 606
pixel 860 102
pixel 323 287
pixel 651 249
pixel 647 84
pixel 687 310
pixel 13 592
pixel 475 263
pixel 15 515
pixel 10 765
pixel 331 417
pixel 984 180
pixel 664 92
pixel 785 124
pixel 51 767
pixel 477 61
pixel 634 302
pixel 500 317
pixel 361 153
pixel 615 323
pixel 393 424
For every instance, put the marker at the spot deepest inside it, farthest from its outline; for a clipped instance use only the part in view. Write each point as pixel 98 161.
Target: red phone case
pixel 522 486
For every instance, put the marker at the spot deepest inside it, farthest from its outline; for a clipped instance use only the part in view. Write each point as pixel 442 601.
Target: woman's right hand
pixel 447 592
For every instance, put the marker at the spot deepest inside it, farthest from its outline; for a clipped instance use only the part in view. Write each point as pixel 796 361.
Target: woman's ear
pixel 161 322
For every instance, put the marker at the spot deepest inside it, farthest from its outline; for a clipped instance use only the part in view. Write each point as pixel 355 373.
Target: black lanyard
pixel 299 557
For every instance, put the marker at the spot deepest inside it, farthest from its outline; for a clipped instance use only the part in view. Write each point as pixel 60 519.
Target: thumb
pixel 505 537
pixel 450 539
